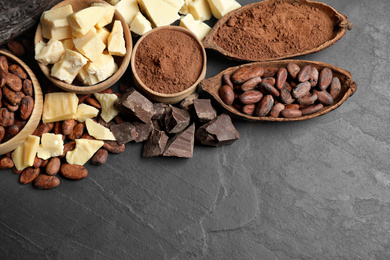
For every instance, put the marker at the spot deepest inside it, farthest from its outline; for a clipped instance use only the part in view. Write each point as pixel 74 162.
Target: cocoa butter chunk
pixel 176 120
pixel 204 110
pixel 159 110
pixel 142 131
pixel 135 105
pixel 188 101
pixel 156 143
pixel 182 144
pixel 217 132
pixel 124 132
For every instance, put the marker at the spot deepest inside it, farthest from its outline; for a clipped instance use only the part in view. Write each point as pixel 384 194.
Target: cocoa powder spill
pixel 275 29
pixel 168 61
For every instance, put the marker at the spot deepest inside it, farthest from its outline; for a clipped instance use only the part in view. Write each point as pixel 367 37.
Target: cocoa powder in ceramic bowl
pixel 168 63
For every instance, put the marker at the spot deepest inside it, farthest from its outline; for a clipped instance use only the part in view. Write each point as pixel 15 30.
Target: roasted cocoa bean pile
pixel 16 99
pixel 287 92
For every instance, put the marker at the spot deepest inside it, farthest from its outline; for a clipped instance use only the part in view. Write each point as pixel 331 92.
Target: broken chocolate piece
pixel 204 110
pixel 188 102
pixel 124 132
pixel 156 124
pixel 217 132
pixel 182 144
pixel 159 110
pixel 143 131
pixel 156 143
pixel 135 105
pixel 176 120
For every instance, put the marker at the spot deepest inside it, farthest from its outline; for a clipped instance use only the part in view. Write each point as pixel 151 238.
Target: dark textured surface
pixel 317 189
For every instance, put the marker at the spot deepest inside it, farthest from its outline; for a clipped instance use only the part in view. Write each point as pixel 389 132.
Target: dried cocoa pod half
pixel 250 97
pixel 44 181
pixel 213 39
pixel 212 85
pixel 73 171
pixel 311 109
pixel 281 78
pixel 264 106
pixel 250 84
pixel 325 78
pixel 246 73
pixel 28 175
pixel 18 71
pixel 227 95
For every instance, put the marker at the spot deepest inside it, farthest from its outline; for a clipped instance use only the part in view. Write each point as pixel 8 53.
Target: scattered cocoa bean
pixel 93 102
pixel 37 162
pixel 53 166
pixel 28 175
pixel 16 48
pixel 6 163
pixel 113 147
pixel 41 129
pixel 100 157
pixel 44 181
pixel 68 147
pixel 68 125
pixel 77 132
pixel 73 171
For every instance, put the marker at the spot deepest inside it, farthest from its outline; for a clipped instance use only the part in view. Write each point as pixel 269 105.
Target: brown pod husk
pixel 348 88
pixel 340 25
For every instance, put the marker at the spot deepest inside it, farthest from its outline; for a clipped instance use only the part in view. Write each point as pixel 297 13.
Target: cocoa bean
pixel 41 129
pixel 268 88
pixel 226 80
pixel 11 119
pixel 313 77
pixel 304 74
pixel 6 163
pixel 87 136
pixel 226 94
pixel 57 129
pixel 270 72
pixel 44 163
pixel 250 84
pixel 3 64
pixel 93 102
pixel 302 89
pixel 113 147
pixel 269 80
pixel 264 106
pixel 27 87
pixel 53 166
pixel 68 147
pixel 16 171
pixel 100 157
pixel 14 82
pixel 77 132
pixel 325 78
pixel 307 100
pixel 9 107
pixel 28 175
pixel 3 78
pixel 73 171
pixel 18 71
pixel 13 97
pixel 37 162
pixel 246 73
pixel 281 78
pixel 335 88
pixel 20 123
pixel 249 109
pixel 10 132
pixel 276 109
pixel 250 97
pixel 2 133
pixel 4 117
pixel 16 48
pixel 44 181
pixel 324 97
pixel 26 107
pixel 311 109
pixel 68 125
pixel 83 97
pixel 285 94
pixel 291 106
pixel 293 69
pixel 291 113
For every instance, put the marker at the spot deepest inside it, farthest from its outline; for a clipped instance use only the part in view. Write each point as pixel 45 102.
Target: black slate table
pixel 318 189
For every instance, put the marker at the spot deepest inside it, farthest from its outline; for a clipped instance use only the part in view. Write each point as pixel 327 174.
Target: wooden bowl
pixel 35 117
pixel 341 24
pixel 161 97
pixel 348 88
pixel 123 62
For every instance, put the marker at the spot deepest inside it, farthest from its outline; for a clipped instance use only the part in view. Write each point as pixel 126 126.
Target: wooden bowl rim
pixel 209 43
pixel 36 114
pixel 188 90
pixel 101 85
pixel 208 86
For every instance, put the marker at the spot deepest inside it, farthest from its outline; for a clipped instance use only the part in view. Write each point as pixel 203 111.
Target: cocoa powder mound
pixel 168 61
pixel 275 29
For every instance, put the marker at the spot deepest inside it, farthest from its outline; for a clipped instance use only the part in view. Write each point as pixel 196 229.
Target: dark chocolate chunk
pixel 159 110
pixel 204 110
pixel 217 132
pixel 135 105
pixel 176 120
pixel 143 131
pixel 188 102
pixel 182 144
pixel 156 124
pixel 124 132
pixel 156 143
